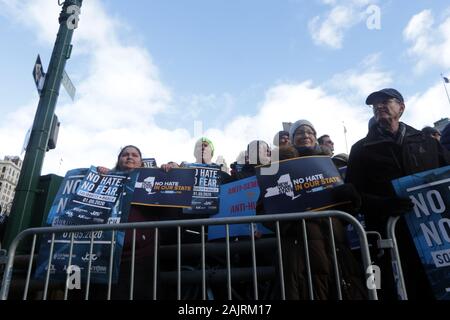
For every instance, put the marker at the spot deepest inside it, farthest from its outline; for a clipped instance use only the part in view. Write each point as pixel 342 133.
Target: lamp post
pixel 26 190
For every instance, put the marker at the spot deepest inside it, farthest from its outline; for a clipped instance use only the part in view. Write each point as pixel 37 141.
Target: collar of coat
pixel 378 135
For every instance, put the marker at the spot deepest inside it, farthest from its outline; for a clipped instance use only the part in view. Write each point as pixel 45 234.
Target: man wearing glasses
pixel 391 150
pixel 326 144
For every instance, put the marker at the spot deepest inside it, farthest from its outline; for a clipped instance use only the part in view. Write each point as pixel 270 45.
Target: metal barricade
pixel 257 272
pixel 391 243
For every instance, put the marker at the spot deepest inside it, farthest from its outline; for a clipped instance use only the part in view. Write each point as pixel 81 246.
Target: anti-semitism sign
pixel 237 199
pixel 300 184
pixel 205 198
pixel 429 223
pixel 86 197
pixel 155 187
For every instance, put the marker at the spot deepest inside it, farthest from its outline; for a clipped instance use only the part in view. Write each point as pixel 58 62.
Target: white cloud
pixel 121 96
pixel 116 101
pixel 355 84
pixel 291 102
pixel 330 30
pixel 430 41
pixel 426 108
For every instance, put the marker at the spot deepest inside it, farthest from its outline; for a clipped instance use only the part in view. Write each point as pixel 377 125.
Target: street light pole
pixel 26 190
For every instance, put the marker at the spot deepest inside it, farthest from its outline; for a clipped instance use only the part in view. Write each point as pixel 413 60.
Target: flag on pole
pixel 446 80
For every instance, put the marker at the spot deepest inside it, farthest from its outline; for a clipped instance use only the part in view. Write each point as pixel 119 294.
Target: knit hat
pixel 298 124
pixel 204 139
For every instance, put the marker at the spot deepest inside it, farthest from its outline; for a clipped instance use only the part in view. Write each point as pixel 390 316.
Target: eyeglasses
pixel 384 102
pixel 304 133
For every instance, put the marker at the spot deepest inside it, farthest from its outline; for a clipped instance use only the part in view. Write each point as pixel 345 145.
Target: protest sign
pixel 149 163
pixel 301 184
pixel 429 223
pixel 205 197
pixel 86 197
pixel 237 199
pixel 155 187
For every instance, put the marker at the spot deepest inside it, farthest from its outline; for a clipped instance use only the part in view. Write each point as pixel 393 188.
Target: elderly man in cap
pixel 392 150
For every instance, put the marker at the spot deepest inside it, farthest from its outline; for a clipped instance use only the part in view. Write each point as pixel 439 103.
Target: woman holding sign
pixel 303 135
pixel 130 158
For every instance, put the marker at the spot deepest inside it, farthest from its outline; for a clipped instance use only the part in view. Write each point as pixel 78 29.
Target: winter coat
pixel 373 163
pixel 321 259
pixel 378 159
pixel 145 238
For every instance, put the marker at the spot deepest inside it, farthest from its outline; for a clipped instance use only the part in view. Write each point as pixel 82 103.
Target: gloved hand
pixel 396 206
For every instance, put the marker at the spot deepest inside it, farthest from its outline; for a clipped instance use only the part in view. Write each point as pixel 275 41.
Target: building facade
pixel 9 176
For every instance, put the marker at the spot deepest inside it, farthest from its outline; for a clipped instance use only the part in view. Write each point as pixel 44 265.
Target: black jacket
pixel 378 159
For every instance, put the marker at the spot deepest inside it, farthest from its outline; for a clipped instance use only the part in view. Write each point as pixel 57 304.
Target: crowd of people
pixel 391 149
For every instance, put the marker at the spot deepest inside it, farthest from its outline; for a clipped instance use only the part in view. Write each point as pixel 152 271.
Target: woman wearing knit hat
pixel 303 136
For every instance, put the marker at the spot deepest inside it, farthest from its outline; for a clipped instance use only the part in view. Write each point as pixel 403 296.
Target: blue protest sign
pixel 205 196
pixel 66 191
pixel 237 199
pixel 300 184
pixel 429 223
pixel 86 197
pixel 352 234
pixel 155 187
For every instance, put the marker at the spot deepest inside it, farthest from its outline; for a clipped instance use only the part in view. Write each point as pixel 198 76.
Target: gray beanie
pixel 298 124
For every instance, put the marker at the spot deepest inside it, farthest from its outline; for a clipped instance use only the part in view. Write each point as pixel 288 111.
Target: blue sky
pixel 148 70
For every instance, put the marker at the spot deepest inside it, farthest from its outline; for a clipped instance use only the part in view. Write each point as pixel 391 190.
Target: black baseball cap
pixel 382 95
